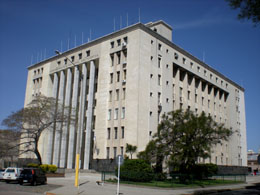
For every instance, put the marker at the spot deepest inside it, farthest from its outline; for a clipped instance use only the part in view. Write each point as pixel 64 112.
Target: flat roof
pixel 144 27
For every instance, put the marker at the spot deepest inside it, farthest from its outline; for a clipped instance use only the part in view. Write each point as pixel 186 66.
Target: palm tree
pixel 130 149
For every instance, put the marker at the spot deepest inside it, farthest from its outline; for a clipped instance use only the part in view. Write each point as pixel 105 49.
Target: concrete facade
pixel 130 78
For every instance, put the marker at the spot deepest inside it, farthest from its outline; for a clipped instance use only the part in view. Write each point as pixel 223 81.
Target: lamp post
pixel 80 124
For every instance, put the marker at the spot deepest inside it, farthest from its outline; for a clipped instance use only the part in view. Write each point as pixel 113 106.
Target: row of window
pixel 38 71
pixel 118 77
pixel 184 61
pixel 117 94
pixel 119 42
pixel 116 112
pixel 72 58
pixel 114 152
pixel 115 134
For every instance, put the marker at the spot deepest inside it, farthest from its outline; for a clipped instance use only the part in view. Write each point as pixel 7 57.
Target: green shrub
pixel 203 171
pixel 33 165
pixel 160 176
pixel 45 168
pixel 52 168
pixel 136 170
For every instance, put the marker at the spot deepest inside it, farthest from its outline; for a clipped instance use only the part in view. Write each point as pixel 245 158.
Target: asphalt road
pixel 88 186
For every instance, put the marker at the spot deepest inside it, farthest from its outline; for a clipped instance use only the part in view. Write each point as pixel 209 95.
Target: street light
pixel 80 125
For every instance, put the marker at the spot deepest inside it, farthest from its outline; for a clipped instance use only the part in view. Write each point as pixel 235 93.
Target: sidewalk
pixel 88 186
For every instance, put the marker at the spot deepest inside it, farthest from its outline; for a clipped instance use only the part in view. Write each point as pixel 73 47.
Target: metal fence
pixel 176 178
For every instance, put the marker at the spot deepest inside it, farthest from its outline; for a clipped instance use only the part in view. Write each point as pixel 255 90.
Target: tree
pixel 130 149
pixel 249 9
pixel 183 137
pixel 42 114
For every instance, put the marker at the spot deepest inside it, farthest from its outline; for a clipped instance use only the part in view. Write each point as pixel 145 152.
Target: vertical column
pixel 73 113
pixel 65 129
pixel 58 125
pixel 82 108
pixel 50 133
pixel 89 115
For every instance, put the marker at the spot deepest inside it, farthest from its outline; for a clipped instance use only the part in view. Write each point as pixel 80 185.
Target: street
pixel 88 186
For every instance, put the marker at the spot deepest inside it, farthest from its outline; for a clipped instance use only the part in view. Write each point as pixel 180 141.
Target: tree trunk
pixel 37 153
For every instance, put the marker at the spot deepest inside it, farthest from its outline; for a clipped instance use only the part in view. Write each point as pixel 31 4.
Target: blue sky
pixel 30 30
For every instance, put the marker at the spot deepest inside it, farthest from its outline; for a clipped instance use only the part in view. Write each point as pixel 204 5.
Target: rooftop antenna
pixel 139 15
pixel 90 34
pixel 203 57
pixel 120 22
pixel 82 38
pixel 126 19
pixel 68 43
pixel 44 53
pixel 114 24
pixel 75 41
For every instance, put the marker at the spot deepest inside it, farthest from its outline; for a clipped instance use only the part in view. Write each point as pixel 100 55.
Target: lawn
pixel 176 184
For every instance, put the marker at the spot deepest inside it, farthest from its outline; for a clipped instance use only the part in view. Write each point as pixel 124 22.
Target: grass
pixel 176 184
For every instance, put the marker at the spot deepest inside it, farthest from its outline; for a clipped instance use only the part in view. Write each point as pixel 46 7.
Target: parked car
pixel 32 176
pixel 12 174
pixel 2 174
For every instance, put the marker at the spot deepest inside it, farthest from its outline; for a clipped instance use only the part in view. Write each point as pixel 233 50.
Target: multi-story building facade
pixel 128 80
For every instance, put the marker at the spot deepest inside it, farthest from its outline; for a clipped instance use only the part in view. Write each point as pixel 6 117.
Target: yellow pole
pixel 77 171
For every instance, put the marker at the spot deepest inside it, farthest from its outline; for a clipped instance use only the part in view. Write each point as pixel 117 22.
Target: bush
pixel 33 165
pixel 45 168
pixel 160 177
pixel 203 171
pixel 136 170
pixel 53 168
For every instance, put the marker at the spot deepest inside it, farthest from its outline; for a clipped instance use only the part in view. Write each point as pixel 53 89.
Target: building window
pixel 159 79
pixel 115 129
pixel 176 56
pixel 124 75
pixel 167 100
pixel 112 44
pixel 108 151
pixel 216 79
pixel 184 60
pixel 109 114
pixel 117 76
pixel 110 95
pixel 151 76
pixel 188 95
pixel 159 46
pixel 111 77
pixel 151 41
pixel 114 152
pixel 198 68
pixel 80 56
pixel 72 58
pixel 57 63
pixel 123 113
pixel 196 98
pixel 167 65
pixel 117 94
pixel 151 94
pixel 159 62
pixel 118 57
pixel 112 59
pixel 202 101
pixel 65 61
pixel 108 133
pixel 88 53
pixel 159 97
pixel 208 103
pixel 167 51
pixel 191 65
pixel 125 40
pixel 116 114
pixel 122 150
pixel 167 82
pixel 205 73
pixel 123 96
pixel 118 42
pixel 122 132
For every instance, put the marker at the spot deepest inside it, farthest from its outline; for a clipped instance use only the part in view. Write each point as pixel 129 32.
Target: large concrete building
pixel 129 79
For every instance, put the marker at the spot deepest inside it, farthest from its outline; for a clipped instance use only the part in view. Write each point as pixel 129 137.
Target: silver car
pixel 12 174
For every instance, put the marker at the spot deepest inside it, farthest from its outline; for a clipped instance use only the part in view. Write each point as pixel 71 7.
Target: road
pixel 88 186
